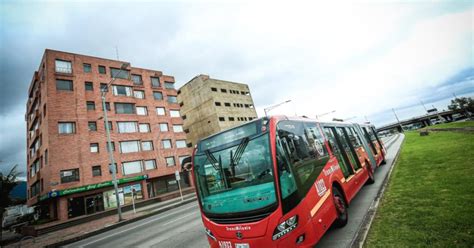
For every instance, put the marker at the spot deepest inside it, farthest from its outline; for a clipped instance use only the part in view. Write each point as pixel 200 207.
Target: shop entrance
pixel 94 204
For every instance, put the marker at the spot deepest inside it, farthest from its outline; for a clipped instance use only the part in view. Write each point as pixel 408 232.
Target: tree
pixel 7 183
pixel 462 103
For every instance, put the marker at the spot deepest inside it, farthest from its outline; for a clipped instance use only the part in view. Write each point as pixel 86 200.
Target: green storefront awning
pixel 53 194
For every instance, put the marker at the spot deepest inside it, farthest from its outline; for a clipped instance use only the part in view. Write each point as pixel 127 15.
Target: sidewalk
pixel 97 226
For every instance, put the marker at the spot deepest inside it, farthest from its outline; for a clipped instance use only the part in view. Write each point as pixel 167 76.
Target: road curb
pixel 359 239
pixel 123 223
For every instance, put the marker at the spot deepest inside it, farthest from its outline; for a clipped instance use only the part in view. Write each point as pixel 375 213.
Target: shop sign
pixel 89 187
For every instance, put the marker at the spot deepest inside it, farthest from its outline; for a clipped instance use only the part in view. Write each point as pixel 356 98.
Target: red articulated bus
pixel 279 181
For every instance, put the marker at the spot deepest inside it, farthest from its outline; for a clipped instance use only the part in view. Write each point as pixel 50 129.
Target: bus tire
pixel 341 208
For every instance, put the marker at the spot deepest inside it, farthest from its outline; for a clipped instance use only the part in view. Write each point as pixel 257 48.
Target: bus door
pixel 356 143
pixel 343 160
pixel 378 139
pixel 351 154
pixel 374 143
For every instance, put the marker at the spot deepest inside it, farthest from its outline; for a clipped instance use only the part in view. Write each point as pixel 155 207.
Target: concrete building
pixel 69 172
pixel 211 105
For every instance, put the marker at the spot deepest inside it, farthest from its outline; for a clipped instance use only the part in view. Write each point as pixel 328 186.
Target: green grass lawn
pixel 429 201
pixel 454 124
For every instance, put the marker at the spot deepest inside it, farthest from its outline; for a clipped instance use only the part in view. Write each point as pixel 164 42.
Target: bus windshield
pixel 237 175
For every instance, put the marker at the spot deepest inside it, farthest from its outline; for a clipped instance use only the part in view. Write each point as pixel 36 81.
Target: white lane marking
pixel 128 229
pixel 182 217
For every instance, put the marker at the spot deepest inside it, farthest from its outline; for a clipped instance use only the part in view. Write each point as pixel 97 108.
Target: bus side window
pixel 343 164
pixel 305 160
pixel 287 181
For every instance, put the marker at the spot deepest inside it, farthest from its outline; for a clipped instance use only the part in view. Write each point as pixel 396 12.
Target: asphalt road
pixel 182 226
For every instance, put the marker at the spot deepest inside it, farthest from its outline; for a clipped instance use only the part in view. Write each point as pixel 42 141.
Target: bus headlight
pixel 285 227
pixel 209 233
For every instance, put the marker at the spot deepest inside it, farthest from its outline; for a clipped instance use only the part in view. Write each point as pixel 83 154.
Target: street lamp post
pixel 266 110
pixel 109 142
pixel 321 115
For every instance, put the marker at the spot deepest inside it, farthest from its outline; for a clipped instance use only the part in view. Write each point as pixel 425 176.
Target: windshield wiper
pixel 235 159
pixel 213 160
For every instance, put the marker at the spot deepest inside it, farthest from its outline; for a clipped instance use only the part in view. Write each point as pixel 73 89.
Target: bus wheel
pixel 371 179
pixel 341 208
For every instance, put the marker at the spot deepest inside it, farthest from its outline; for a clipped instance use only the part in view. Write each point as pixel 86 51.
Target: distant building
pixel 69 172
pixel 211 105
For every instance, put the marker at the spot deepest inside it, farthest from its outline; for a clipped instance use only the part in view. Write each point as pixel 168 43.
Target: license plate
pixel 242 246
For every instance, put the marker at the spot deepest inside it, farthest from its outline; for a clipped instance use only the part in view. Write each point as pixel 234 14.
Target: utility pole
pixel 398 120
pixel 109 142
pixel 422 104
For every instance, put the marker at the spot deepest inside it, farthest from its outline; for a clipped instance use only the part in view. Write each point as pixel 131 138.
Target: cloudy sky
pixel 359 58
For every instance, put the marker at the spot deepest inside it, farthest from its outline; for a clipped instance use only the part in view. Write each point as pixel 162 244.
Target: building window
pixel 221 119
pixel 142 111
pixel 181 144
pixel 64 85
pixel 112 144
pixel 170 161
pixel 214 89
pixel 174 113
pixel 169 85
pixel 166 144
pixel 107 106
pixel 181 104
pixel 157 95
pixel 164 127
pixel 172 99
pixel 94 147
pixel 251 106
pixel 96 171
pixel 90 105
pixel 63 66
pixel 149 164
pixel 147 145
pixel 223 90
pixel 87 68
pixel 113 168
pixel 137 79
pixel 144 127
pixel 69 175
pixel 186 130
pixel 110 125
pixel 66 127
pixel 119 73
pixel 89 86
pixel 155 81
pixel 227 104
pixel 184 117
pixel 132 167
pixel 46 157
pixel 120 90
pixel 218 104
pixel 129 146
pixel 177 128
pixel 104 87
pixel 231 119
pixel 35 189
pixel 92 126
pixel 124 108
pixel 160 111
pixel 102 69
pixel 140 94
pixel 127 127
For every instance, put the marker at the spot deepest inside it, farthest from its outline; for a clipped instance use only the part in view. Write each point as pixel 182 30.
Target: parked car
pixel 17 216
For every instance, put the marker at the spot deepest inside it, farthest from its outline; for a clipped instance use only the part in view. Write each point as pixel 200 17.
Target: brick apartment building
pixel 211 105
pixel 69 172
